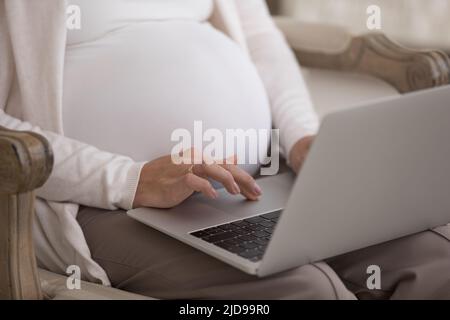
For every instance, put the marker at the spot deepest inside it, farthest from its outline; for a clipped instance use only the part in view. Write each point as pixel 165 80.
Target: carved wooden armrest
pixel 331 47
pixel 26 161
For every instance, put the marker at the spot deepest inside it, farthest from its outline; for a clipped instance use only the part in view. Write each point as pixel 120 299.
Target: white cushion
pixel 54 287
pixel 336 90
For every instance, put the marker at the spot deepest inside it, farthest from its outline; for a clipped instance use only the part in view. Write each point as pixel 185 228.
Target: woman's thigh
pixel 142 260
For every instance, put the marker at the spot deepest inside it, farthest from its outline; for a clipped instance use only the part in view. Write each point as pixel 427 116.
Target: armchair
pixel 326 52
pixel 25 163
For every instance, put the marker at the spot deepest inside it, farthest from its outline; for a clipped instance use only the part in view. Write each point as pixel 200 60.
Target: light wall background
pixel 415 23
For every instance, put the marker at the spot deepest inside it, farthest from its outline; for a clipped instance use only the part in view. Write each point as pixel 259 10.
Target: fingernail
pixel 214 194
pixel 231 159
pixel 257 189
pixel 236 188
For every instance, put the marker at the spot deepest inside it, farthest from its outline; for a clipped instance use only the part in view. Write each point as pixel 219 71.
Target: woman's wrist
pixel 299 151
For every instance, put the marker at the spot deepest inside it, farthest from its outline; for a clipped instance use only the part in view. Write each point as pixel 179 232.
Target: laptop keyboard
pixel 247 238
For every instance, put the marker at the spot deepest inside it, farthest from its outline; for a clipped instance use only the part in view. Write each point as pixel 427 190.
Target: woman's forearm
pixel 83 174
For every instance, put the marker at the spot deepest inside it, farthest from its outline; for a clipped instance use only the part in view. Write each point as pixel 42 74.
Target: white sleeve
pixel 83 174
pixel 292 109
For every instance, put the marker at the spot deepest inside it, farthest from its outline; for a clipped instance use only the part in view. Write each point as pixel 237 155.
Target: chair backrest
pixel 414 23
pixel 332 47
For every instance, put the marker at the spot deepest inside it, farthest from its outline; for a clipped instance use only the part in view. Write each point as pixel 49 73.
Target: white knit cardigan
pixel 32 49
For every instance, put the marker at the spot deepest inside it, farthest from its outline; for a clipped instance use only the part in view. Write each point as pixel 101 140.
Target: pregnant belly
pixel 128 91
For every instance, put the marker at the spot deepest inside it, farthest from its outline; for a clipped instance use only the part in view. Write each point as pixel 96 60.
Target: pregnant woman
pixel 109 95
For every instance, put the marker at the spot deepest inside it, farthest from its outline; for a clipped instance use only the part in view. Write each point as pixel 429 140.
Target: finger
pixel 249 187
pixel 190 156
pixel 218 173
pixel 200 185
pixel 231 160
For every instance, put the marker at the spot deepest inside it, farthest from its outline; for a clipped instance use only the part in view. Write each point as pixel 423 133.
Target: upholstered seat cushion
pixel 335 90
pixel 54 287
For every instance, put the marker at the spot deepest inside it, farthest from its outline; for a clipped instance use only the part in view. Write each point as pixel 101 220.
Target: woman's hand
pixel 299 152
pixel 164 184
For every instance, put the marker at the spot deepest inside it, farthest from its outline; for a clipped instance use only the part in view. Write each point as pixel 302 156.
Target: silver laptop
pixel 375 173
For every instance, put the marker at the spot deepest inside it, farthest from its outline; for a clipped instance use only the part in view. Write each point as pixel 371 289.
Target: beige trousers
pixel 142 260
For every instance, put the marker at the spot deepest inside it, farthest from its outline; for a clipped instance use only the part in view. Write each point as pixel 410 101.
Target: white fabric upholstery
pixel 415 23
pixel 333 90
pixel 314 37
pixel 54 287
